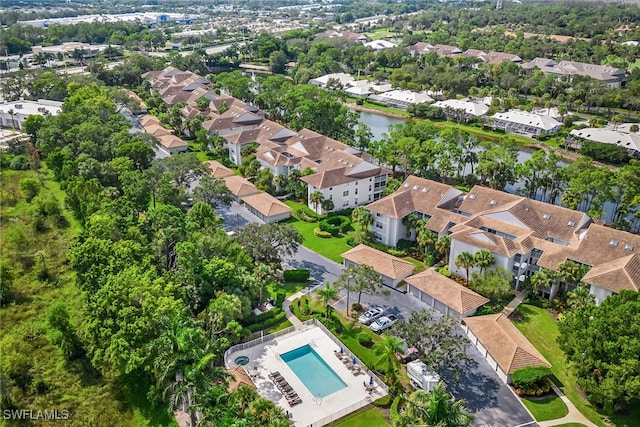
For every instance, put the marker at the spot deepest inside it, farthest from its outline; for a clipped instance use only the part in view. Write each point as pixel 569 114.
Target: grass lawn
pixel 570 425
pixel 548 408
pixel 331 247
pixel 370 417
pixel 542 330
pixel 272 289
pixel 419 264
pixel 381 33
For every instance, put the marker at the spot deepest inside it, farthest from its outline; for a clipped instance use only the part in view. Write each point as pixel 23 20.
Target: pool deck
pixel 265 358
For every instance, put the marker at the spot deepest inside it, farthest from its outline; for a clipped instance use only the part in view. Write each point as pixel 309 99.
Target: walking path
pixel 520 296
pixel 574 416
pixel 286 306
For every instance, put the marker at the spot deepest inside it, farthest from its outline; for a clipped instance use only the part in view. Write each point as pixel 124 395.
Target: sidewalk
pixel 574 416
pixel 510 308
pixel 286 307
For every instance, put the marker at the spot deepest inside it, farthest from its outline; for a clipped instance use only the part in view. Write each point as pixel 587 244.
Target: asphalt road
pixel 490 400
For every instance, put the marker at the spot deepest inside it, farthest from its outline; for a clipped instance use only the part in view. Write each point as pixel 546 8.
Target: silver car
pixel 370 315
pixel 385 322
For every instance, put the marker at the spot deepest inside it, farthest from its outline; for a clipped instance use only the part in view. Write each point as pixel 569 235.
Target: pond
pixel 379 124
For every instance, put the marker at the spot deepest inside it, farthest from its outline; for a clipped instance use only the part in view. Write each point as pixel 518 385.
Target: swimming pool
pixel 313 371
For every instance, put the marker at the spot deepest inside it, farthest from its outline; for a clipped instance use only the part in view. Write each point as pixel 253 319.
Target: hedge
pixel 393 411
pixel 253 318
pixel 364 339
pixel 335 224
pixel 383 402
pixel 319 233
pixel 278 318
pixel 528 377
pixel 296 275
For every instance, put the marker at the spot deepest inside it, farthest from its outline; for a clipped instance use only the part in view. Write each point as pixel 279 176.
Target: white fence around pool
pixel 306 324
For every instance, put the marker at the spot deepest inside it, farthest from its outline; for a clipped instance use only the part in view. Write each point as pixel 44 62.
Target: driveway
pixel 485 395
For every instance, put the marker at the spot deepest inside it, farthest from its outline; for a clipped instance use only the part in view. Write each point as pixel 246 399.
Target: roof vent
pixel 425 189
pixel 571 223
pixel 613 243
pixel 415 187
pixel 628 247
pixel 493 202
pixel 546 216
pixel 407 185
pixel 473 196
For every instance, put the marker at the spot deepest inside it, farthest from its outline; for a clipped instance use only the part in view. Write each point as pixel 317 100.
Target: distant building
pixel 402 98
pixel 380 44
pixel 614 77
pixel 628 141
pixel 524 123
pixel 343 79
pixel 14 113
pixel 89 50
pixel 468 110
pixel 147 18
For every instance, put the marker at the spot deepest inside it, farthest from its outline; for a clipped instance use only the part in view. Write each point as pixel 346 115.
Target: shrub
pixel 430 260
pixel 20 162
pixel 253 318
pixel 364 339
pixel 393 411
pixel 278 318
pixel 383 402
pixel 319 233
pixel 526 378
pixel 29 187
pixel 335 224
pixel 405 245
pixel 444 270
pixel 280 296
pixel 296 275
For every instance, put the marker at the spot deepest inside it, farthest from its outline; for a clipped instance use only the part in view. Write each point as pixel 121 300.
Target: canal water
pixel 379 124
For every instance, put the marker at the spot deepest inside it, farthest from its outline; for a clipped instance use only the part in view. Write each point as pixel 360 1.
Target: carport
pixel 502 344
pixel 393 270
pixel 444 294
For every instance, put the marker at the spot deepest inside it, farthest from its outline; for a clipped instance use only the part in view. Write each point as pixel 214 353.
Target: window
pixel 546 216
pixel 379 225
pixel 356 191
pixel 345 203
pixel 378 215
pixel 369 188
pixel 345 193
pixel 355 202
pixel 613 243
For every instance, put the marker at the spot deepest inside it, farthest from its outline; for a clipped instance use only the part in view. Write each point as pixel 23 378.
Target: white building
pixel 380 45
pixel 343 79
pixel 628 141
pixel 468 109
pixel 524 123
pixel 402 98
pixel 14 113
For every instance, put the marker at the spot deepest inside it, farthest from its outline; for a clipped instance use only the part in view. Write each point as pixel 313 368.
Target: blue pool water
pixel 313 371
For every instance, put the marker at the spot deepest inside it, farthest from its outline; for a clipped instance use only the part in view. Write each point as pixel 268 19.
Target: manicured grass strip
pixel 370 417
pixel 548 408
pixel 571 425
pixel 542 330
pixel 419 264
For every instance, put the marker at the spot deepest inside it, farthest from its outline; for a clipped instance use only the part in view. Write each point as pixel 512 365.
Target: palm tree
pixel 437 408
pixel 571 273
pixel 542 279
pixel 263 275
pixel 425 238
pixel 363 217
pixel 387 349
pixel 327 295
pixel 465 260
pixel 442 246
pixel 316 198
pixel 483 259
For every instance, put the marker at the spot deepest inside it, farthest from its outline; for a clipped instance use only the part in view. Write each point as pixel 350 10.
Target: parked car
pixel 370 315
pixel 384 322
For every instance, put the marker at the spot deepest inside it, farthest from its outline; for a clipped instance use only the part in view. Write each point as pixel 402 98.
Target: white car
pixel 385 322
pixel 370 315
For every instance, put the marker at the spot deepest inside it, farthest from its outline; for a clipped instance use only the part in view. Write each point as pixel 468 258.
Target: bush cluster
pixel 319 233
pixel 531 381
pixel 364 339
pixel 335 224
pixel 304 213
pixel 296 275
pixel 265 320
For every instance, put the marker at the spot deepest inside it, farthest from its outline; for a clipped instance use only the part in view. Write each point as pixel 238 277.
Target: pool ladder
pixel 313 344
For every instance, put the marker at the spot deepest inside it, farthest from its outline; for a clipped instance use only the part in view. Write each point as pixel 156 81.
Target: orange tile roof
pixel 385 264
pixel 447 291
pixel 266 204
pixel 505 343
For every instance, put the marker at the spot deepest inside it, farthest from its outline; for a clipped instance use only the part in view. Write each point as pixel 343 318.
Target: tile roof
pixel 239 186
pixel 447 291
pixel 240 378
pixel 505 343
pixel 266 204
pixel 622 273
pixel 383 263
pixel 217 169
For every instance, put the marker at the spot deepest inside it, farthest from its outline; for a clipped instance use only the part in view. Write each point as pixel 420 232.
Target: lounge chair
pixel 294 402
pixel 286 388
